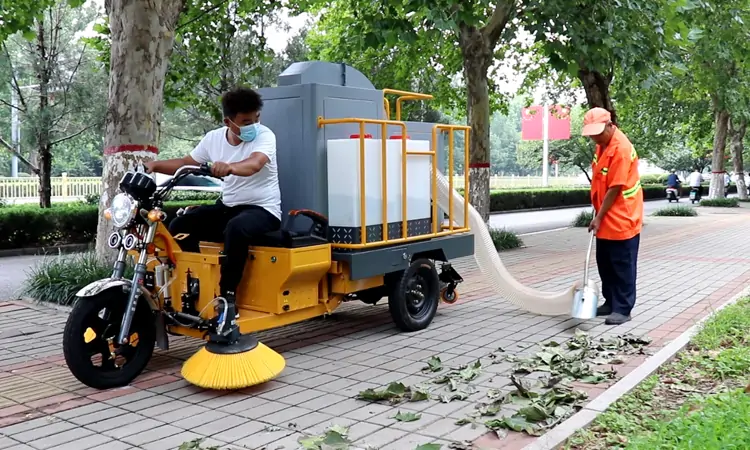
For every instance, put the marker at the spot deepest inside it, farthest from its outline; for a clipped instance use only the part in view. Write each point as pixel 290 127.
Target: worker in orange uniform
pixel 618 201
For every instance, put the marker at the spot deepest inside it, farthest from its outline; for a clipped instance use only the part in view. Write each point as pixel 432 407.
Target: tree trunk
pixel 721 125
pixel 44 156
pixel 45 181
pixel 477 56
pixel 596 86
pixel 142 35
pixel 737 129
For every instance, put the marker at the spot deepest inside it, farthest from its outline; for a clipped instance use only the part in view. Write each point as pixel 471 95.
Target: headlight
pixel 122 210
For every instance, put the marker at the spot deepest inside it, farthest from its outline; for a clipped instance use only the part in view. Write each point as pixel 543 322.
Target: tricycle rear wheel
pixel 414 298
pixel 89 338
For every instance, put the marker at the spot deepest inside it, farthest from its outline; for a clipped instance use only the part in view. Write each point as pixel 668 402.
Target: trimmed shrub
pixel 56 279
pixel 504 239
pixel 720 202
pixel 654 179
pixel 583 219
pixel 174 196
pixel 676 211
pixel 67 223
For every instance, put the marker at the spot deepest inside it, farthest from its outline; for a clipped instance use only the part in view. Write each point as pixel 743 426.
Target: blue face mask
pixel 248 132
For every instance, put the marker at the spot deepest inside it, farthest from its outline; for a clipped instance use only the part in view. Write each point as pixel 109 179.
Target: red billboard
pixel 558 123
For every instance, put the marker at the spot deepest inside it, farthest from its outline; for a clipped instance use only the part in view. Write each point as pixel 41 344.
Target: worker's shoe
pixel 616 319
pixel 604 310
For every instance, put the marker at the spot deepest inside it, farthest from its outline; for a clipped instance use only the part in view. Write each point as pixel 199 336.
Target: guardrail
pixel 64 186
pixel 77 187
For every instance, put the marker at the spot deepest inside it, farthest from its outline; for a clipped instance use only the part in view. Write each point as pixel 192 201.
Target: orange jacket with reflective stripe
pixel 617 165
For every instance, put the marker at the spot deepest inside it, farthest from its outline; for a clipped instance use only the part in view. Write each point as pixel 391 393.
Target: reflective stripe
pixel 596 159
pixel 604 170
pixel 628 193
pixel 633 154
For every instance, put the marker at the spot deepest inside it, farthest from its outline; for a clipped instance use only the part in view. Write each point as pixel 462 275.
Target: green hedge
pixel 512 200
pixel 67 223
pixel 75 223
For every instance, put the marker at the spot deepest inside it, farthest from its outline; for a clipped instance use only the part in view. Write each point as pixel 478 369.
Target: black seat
pixel 286 237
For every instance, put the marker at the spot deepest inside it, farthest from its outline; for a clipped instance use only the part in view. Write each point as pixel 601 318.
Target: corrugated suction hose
pixel 488 260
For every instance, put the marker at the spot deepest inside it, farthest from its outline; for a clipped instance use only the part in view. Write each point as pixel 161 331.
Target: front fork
pixel 138 278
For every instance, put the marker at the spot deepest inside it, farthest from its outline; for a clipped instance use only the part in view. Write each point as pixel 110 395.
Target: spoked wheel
pixel 89 346
pixel 414 299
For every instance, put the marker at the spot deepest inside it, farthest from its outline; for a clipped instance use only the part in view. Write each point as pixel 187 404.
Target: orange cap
pixel 594 121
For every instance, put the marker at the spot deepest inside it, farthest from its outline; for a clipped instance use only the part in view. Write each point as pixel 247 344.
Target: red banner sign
pixel 532 123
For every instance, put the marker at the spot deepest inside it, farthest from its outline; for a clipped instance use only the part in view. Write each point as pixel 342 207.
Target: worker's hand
pixel 221 169
pixel 149 166
pixel 595 224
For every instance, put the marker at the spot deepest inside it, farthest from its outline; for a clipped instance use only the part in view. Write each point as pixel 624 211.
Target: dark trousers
pixel 618 262
pixel 235 226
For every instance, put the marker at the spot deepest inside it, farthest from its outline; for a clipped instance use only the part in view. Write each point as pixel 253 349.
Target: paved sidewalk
pixel 330 360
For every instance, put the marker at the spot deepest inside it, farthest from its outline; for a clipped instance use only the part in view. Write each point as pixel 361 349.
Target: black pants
pixel 618 263
pixel 235 226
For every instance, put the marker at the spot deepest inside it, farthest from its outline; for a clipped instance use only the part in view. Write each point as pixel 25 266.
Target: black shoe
pixel 616 319
pixel 604 310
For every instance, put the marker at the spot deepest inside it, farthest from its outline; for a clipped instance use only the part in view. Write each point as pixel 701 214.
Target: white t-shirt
pixel 695 179
pixel 260 189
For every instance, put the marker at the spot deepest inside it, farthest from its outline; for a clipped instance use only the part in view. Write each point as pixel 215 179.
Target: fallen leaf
pixel 407 416
pixel 433 365
pixel 429 447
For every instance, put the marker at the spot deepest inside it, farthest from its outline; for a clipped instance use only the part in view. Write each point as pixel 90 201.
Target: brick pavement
pixel 330 360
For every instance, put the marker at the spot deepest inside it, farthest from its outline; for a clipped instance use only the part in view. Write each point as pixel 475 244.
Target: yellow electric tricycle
pixel 290 276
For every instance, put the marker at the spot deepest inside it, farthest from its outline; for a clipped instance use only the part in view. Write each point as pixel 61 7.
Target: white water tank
pixel 344 192
pixel 418 181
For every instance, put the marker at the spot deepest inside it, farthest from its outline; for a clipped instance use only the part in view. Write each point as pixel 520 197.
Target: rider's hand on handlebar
pixel 221 169
pixel 149 166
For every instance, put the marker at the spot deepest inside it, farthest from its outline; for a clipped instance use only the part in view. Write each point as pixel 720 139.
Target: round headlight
pixel 122 210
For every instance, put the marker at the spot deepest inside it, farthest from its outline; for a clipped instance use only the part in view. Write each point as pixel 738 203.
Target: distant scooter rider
pixel 673 182
pixel 695 181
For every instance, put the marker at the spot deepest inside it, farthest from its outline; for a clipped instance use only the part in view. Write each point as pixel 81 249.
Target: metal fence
pixel 62 187
pixel 26 189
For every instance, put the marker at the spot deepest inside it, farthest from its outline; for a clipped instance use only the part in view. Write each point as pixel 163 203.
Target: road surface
pixel 535 221
pixel 13 269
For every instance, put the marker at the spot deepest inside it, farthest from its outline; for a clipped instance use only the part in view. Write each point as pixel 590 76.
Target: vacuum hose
pixel 488 260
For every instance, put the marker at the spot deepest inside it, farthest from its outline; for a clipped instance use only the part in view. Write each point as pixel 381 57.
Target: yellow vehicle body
pixel 280 286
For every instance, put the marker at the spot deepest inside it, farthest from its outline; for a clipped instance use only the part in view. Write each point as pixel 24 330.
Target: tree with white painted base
pixel 142 35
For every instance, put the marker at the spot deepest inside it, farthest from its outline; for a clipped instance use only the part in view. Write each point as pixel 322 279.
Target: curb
pixel 555 208
pixel 560 434
pixel 37 251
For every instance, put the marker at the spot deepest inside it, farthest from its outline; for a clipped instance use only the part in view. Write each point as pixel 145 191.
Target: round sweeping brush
pixel 243 363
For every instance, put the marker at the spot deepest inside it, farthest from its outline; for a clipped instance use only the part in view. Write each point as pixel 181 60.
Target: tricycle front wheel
pixel 89 341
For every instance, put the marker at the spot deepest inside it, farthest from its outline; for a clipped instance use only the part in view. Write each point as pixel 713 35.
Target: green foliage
pixel 218 45
pixel 720 202
pixel 347 32
pixel 722 423
pixel 56 279
pixel 174 196
pixel 676 211
pixel 78 83
pixel 583 219
pixel 730 327
pixel 67 223
pixel 19 16
pixel 505 240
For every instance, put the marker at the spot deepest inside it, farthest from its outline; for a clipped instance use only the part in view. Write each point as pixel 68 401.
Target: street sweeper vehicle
pixel 368 214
